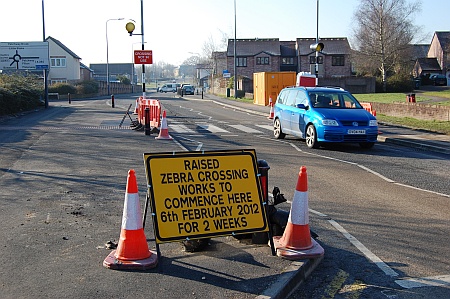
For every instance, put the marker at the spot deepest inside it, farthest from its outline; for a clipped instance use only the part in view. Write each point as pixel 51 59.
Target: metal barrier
pixel 154 107
pixel 368 108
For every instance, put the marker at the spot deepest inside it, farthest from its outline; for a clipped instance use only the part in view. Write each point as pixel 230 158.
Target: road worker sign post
pixel 204 194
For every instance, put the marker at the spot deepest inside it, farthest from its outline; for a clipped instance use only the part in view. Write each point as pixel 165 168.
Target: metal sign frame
pixel 236 204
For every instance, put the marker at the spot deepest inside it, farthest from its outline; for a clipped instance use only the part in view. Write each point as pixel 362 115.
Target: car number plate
pixel 356 131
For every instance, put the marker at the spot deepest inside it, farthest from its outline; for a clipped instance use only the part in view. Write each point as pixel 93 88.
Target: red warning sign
pixel 143 57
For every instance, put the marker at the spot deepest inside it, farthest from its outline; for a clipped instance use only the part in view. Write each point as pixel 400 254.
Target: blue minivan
pixel 323 115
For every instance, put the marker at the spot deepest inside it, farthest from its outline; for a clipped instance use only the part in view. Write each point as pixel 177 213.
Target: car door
pixel 298 114
pixel 289 110
pixel 281 110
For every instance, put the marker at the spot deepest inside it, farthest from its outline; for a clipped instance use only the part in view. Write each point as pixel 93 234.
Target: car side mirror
pixel 302 106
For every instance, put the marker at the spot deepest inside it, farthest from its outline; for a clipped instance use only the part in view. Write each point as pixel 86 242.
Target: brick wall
pixel 414 110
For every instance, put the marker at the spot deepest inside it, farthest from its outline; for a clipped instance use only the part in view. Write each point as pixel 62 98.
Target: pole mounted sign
pixel 143 57
pixel 204 194
pixel 24 56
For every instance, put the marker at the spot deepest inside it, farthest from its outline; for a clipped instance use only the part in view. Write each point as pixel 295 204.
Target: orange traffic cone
pixel 136 107
pixel 296 242
pixel 132 251
pixel 164 131
pixel 271 108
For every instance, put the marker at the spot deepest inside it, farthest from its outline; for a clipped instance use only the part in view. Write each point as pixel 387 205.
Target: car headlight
pixel 373 123
pixel 329 122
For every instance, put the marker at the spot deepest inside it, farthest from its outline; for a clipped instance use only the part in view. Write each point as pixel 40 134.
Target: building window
pixel 262 60
pixel 58 62
pixel 57 81
pixel 287 60
pixel 337 60
pixel 312 59
pixel 241 61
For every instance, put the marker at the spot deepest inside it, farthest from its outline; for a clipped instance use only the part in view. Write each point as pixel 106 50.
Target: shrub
pixel 87 87
pixel 62 88
pixel 19 92
pixel 396 83
pixel 124 80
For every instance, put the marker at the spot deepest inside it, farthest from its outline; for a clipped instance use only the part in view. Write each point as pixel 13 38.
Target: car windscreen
pixel 335 100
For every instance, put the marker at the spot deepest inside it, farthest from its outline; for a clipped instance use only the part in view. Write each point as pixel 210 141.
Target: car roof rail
pixel 330 86
pixel 295 86
pixel 334 87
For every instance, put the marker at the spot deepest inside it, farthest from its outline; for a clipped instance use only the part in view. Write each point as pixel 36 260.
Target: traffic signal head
pixel 317 47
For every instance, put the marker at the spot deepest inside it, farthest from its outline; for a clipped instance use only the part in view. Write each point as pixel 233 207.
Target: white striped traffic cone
pixel 132 251
pixel 271 113
pixel 136 107
pixel 296 242
pixel 164 131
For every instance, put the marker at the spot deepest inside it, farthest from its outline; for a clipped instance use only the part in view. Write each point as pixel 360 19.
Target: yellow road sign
pixel 203 194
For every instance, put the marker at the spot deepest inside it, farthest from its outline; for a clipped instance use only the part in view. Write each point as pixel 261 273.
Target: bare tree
pixel 383 34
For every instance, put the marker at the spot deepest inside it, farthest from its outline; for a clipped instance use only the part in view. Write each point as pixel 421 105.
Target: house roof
pixel 83 66
pixel 335 45
pixel 288 49
pixel 61 45
pixel 252 47
pixel 443 37
pixel 420 51
pixel 429 64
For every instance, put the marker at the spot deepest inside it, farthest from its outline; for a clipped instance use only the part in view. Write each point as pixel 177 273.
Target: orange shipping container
pixel 266 84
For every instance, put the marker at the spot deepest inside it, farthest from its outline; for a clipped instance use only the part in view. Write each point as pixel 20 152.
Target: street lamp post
pixel 132 64
pixel 107 53
pixel 130 28
pixel 317 42
pixel 235 69
pixel 318 47
pixel 45 70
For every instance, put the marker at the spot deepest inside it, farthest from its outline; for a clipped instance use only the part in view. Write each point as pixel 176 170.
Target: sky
pixel 176 29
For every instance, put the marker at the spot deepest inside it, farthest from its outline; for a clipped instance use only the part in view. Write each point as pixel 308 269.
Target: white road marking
pixel 267 127
pixel 246 129
pixel 180 128
pixel 432 281
pixel 212 128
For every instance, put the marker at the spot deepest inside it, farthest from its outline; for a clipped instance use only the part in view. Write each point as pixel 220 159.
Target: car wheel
pixel 311 137
pixel 277 132
pixel 367 145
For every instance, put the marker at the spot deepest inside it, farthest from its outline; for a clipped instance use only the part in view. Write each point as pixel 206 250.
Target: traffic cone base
pixel 111 262
pixel 297 254
pixel 293 242
pixel 132 246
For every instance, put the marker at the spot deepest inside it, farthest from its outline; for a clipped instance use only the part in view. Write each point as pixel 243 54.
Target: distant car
pixel 188 89
pixel 168 88
pixel 323 115
pixel 439 80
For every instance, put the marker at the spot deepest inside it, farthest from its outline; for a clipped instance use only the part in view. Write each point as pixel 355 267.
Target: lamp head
pixel 130 27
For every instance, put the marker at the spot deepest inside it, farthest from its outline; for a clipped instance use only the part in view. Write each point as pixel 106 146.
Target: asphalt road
pixel 63 175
